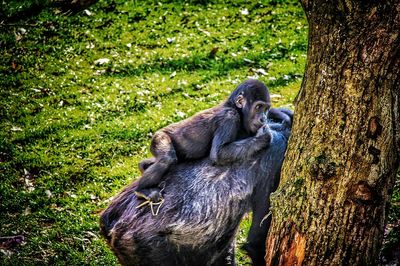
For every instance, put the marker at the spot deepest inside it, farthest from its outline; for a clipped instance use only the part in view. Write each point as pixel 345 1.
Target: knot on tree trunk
pixel 374 128
pixel 363 193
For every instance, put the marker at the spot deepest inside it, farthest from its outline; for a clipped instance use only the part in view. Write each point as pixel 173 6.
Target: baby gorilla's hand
pixel 264 130
pixel 264 134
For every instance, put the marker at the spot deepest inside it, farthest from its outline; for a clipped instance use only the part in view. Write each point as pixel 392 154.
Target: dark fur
pixel 227 133
pixel 204 204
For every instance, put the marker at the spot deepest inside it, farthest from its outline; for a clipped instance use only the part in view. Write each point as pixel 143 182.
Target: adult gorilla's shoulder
pixel 203 207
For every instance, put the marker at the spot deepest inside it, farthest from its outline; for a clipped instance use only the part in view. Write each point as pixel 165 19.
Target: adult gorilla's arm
pixel 260 201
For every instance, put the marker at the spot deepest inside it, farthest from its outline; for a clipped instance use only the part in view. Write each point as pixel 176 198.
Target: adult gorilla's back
pixel 203 207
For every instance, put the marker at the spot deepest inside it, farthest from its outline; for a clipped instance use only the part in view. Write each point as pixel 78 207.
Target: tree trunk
pixel 340 167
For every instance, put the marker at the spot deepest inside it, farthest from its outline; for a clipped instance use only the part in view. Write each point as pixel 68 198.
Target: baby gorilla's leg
pixel 146 163
pixel 164 156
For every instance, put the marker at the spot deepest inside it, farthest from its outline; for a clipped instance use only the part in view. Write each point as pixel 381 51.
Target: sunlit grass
pixel 73 127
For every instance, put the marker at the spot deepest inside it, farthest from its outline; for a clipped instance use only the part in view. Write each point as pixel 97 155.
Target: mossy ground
pixel 80 96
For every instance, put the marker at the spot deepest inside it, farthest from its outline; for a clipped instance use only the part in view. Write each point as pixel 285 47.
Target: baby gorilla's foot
pixel 151 194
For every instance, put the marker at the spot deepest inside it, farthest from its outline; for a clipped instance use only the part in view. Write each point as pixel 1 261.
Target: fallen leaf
pixel 244 12
pixel 27 211
pixel 91 235
pixel 15 129
pixel 180 114
pixel 276 96
pixel 205 32
pixel 99 72
pixel 101 61
pixel 171 40
pixel 28 180
pixel 87 12
pixel 261 71
pixel 48 193
pixel 213 52
pixel 90 46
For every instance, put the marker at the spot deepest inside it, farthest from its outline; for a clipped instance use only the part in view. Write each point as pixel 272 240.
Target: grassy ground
pixel 80 96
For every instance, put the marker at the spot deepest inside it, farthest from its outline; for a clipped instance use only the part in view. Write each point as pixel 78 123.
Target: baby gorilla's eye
pixel 259 107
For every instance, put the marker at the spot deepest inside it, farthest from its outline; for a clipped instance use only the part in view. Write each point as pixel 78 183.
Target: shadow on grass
pixel 29 9
pixel 197 62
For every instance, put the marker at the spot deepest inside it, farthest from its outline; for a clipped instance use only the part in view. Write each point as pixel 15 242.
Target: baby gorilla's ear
pixel 240 101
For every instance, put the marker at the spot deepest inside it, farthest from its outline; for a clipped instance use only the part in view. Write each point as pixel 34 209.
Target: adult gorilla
pixel 203 207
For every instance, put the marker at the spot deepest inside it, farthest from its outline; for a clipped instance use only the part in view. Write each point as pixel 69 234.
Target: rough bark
pixel 343 155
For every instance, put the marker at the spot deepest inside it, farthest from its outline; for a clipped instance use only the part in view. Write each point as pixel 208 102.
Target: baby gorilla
pixel 231 131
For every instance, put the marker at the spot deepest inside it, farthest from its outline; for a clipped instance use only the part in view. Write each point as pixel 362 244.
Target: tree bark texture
pixel 340 167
